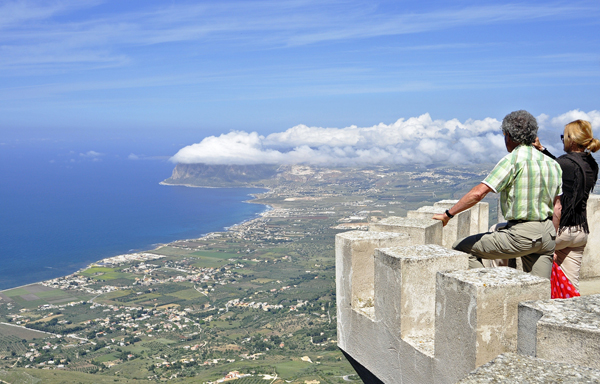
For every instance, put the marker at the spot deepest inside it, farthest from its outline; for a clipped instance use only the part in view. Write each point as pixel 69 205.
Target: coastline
pixel 209 186
pixel 191 186
pixel 156 246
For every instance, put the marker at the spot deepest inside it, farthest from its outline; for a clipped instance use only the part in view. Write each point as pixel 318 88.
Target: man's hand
pixel 442 217
pixel 472 197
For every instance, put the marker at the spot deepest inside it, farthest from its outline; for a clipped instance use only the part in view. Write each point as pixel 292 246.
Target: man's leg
pixel 507 244
pixel 493 245
pixel 538 264
pixel 466 245
pixel 495 263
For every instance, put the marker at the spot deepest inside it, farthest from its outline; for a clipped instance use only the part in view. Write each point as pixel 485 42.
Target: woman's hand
pixel 538 145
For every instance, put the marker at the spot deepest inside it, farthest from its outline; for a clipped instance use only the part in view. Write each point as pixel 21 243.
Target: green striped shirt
pixel 528 182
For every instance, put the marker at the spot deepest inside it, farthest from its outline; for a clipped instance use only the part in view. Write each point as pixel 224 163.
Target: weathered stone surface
pixel 421 231
pixel 480 215
pixel 457 228
pixel 355 252
pixel 511 368
pixel 405 290
pixel 384 354
pixel 562 330
pixel 590 265
pixel 477 314
pixel 366 340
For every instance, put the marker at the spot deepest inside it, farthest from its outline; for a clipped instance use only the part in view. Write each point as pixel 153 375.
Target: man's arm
pixel 472 197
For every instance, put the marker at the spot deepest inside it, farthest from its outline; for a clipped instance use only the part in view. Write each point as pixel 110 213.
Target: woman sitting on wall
pixel 579 175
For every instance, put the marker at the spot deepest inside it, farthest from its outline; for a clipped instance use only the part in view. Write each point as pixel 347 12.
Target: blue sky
pixel 199 68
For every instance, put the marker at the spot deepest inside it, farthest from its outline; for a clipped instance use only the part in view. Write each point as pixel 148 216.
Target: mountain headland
pixel 218 175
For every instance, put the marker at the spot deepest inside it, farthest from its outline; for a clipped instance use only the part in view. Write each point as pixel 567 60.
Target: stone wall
pixel 410 311
pixel 590 266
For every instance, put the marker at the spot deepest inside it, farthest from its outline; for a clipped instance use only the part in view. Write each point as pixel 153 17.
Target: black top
pixel 576 188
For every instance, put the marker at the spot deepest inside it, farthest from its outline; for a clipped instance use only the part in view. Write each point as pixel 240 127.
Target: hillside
pixel 218 175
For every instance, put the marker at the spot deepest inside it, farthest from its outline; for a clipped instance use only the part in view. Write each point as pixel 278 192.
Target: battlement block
pixel 477 317
pixel 405 290
pixel 421 231
pixel 480 215
pixel 562 330
pixel 590 265
pixel 457 228
pixel 355 261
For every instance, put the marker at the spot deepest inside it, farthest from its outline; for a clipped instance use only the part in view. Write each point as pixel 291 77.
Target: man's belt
pixel 513 222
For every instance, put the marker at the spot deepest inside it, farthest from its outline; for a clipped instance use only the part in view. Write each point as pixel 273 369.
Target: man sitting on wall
pixel 530 185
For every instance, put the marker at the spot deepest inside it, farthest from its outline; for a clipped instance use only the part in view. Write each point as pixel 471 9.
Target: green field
pixel 34 295
pixel 96 271
pixel 208 259
pixel 20 333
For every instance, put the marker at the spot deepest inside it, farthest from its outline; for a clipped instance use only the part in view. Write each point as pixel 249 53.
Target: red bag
pixel 561 286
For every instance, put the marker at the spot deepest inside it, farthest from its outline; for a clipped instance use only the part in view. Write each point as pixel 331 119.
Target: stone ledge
pixel 393 255
pixel 456 228
pixel 421 231
pixel 561 330
pixel 580 312
pixel 402 221
pixel 496 277
pixel 369 235
pixel 512 368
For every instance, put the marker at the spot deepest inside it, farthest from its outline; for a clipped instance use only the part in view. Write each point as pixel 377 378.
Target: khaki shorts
pixel 532 241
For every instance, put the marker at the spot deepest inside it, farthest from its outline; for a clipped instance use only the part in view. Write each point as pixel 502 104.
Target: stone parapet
pixel 477 314
pixel 590 265
pixel 480 215
pixel 414 313
pixel 421 231
pixel 511 368
pixel 562 330
pixel 457 228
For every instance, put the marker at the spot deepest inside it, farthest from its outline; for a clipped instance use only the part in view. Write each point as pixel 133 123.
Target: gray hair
pixel 521 126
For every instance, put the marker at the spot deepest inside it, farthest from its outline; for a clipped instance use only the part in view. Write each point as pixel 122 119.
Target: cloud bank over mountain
pixel 420 140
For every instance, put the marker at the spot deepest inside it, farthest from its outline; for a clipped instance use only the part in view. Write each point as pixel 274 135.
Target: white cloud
pixel 560 121
pixel 91 154
pixel 415 140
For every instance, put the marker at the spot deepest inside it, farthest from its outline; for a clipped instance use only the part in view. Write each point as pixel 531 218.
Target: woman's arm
pixel 537 145
pixel 557 212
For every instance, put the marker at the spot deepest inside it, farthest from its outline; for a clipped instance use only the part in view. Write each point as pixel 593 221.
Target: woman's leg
pixel 569 253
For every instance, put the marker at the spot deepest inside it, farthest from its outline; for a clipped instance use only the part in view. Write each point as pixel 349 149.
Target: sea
pixel 66 202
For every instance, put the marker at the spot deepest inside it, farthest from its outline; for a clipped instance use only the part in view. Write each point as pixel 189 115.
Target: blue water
pixel 61 210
